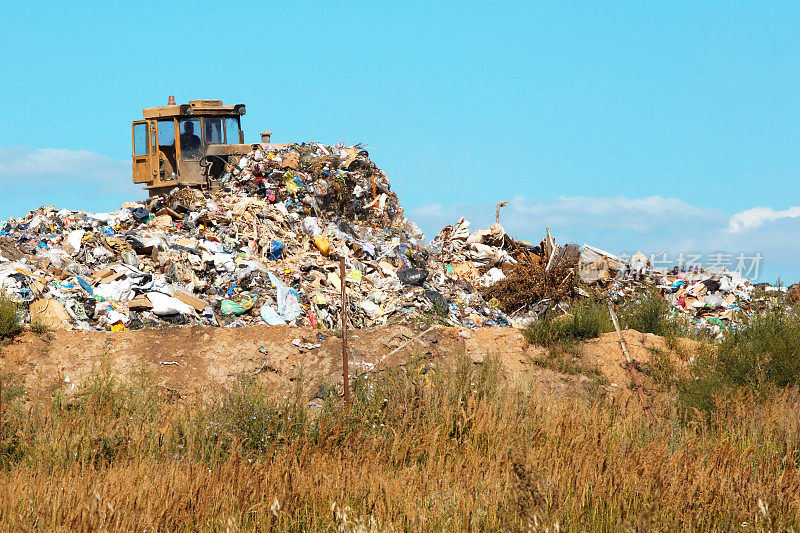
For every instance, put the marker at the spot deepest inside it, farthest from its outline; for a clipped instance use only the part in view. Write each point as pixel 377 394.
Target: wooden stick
pixel 629 363
pixel 345 369
pixel 409 341
pixel 497 212
pixel 661 252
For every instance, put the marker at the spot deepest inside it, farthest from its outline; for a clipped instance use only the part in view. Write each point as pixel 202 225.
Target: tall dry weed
pixel 423 448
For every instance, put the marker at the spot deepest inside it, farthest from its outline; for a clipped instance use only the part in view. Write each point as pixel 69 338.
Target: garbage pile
pixel 264 246
pixel 713 299
pixel 710 297
pixel 516 278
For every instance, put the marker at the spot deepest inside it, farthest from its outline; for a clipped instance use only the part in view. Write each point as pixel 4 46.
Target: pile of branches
pixel 530 283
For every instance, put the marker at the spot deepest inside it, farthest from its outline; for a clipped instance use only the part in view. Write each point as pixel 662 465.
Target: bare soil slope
pixel 190 362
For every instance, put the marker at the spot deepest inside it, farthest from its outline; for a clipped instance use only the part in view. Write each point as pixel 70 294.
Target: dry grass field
pixel 456 449
pixel 442 441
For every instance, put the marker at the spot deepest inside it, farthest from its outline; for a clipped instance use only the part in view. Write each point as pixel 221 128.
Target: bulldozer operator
pixel 190 143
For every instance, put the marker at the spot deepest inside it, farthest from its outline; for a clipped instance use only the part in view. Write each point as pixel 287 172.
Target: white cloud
pixel 637 215
pixel 757 216
pixel 24 161
pixel 632 214
pixel 30 177
pixel 432 210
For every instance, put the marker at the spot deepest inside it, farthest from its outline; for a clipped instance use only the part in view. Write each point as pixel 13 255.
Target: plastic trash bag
pixel 140 213
pixel 74 240
pixel 323 244
pixel 230 307
pixel 84 284
pixel 271 316
pixel 311 226
pixel 164 305
pixel 275 250
pixel 224 262
pixel 118 291
pixel 436 298
pixel 412 276
pixel 369 249
pixel 372 309
pixel 354 276
pixel 291 185
pixel 213 247
pixel 492 276
pixel 288 299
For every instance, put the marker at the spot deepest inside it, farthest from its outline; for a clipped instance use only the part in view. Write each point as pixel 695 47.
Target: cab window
pixel 140 139
pixel 190 138
pixel 166 134
pixel 232 130
pixel 213 130
pixel 166 141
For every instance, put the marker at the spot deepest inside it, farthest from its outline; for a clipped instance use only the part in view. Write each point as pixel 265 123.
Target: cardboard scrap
pixel 186 243
pixel 167 211
pixel 163 221
pixel 466 270
pixel 291 160
pixel 190 300
pixel 141 302
pixel 102 273
pixel 50 313
pixel 111 277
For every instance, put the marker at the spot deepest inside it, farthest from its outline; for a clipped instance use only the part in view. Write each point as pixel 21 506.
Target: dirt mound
pixel 195 361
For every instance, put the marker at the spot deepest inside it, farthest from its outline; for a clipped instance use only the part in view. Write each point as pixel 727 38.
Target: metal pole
pixel 345 367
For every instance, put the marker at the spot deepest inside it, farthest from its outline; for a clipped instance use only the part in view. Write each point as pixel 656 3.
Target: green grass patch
pixel 565 357
pixel 39 328
pixel 662 368
pixel 649 313
pixel 587 321
pixel 9 317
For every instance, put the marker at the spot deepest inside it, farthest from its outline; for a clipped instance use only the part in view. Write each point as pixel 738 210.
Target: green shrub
pixel 441 309
pixel 649 313
pixel 9 318
pixel 587 321
pixel 547 332
pixel 39 328
pixel 760 355
pixel 661 368
pixel 765 351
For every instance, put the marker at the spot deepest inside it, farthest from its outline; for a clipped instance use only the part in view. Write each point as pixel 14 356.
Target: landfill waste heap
pixel 266 246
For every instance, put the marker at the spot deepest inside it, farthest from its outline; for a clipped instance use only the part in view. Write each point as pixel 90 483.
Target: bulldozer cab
pixel 188 144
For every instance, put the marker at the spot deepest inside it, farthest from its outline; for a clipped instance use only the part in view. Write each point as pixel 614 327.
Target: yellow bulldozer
pixel 188 144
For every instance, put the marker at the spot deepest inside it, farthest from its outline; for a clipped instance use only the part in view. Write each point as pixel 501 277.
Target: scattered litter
pixel 305 345
pixel 266 366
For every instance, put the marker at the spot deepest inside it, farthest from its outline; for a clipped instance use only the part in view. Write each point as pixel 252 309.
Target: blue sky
pixel 628 125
